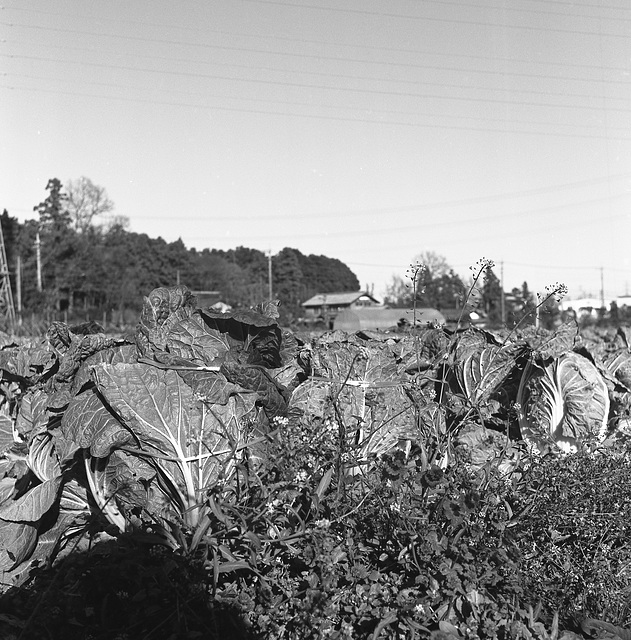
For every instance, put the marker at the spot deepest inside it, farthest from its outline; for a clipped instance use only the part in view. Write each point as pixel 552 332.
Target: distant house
pixel 582 307
pixel 384 318
pixel 326 306
pixel 458 317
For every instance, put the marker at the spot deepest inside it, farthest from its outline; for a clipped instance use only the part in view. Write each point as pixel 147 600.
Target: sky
pixel 370 131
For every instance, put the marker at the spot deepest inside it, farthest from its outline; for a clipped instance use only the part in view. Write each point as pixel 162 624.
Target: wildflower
pixel 301 476
pixel 330 426
pixel 433 477
pixel 324 523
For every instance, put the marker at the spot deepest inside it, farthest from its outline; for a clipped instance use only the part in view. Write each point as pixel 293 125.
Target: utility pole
pixel 602 288
pixel 269 274
pixel 7 310
pixel 18 286
pixel 38 255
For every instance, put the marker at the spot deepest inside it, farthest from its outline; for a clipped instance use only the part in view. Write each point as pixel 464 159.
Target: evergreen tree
pixel 58 248
pixel 287 282
pixel 53 211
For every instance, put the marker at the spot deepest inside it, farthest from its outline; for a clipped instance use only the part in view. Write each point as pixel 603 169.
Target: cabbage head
pixel 563 404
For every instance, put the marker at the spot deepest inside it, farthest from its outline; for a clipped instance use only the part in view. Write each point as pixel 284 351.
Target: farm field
pixel 214 475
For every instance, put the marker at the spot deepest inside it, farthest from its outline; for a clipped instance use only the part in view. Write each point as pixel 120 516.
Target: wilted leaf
pixel 163 308
pixel 82 348
pixel 257 379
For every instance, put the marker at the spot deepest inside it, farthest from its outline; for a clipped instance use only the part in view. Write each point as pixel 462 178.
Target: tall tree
pixel 398 292
pixel 287 282
pixel 254 266
pixel 53 211
pixel 431 282
pixel 435 264
pixel 321 274
pixel 58 246
pixel 86 201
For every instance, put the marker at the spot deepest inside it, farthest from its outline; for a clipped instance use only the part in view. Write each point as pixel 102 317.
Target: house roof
pixel 346 297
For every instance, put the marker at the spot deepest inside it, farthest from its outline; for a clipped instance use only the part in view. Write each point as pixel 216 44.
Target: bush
pixel 573 529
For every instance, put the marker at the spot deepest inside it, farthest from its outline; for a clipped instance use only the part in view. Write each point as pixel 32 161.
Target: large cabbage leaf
pixel 186 440
pixel 362 382
pixel 563 403
pixel 481 364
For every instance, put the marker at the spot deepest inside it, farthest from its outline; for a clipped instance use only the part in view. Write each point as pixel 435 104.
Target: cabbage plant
pixel 563 403
pixel 138 428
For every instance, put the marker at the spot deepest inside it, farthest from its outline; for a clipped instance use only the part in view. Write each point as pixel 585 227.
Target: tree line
pixel 75 262
pixel 431 282
pixel 72 262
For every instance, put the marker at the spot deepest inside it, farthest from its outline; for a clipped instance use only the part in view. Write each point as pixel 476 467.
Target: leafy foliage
pixel 353 486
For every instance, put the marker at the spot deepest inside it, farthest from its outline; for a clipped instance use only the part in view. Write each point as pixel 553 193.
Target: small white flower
pixel 280 421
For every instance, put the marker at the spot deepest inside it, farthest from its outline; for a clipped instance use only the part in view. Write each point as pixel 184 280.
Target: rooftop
pixel 345 297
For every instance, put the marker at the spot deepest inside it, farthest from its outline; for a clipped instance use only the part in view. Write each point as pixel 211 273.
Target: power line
pixel 363 120
pixel 575 5
pixel 319 57
pixel 475 23
pixel 442 3
pixel 295 103
pixel 303 85
pixel 473 220
pixel 348 76
pixel 422 207
pixel 426 206
pixel 537 12
pixel 511 264
pixel 364 45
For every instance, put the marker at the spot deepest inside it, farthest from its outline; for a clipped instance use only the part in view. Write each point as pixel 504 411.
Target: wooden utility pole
pixel 38 255
pixel 269 274
pixel 18 286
